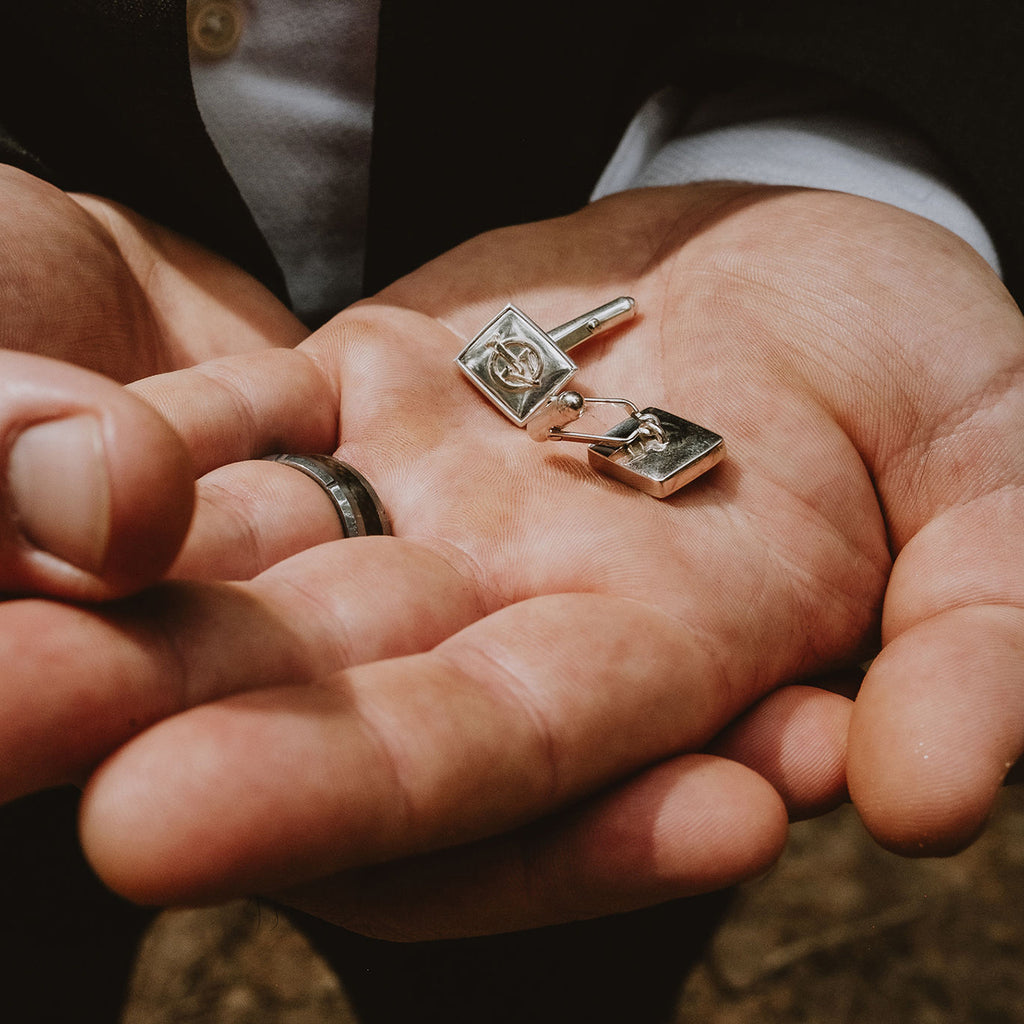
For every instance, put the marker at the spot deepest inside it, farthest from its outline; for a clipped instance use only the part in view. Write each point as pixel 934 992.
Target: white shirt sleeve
pixel 828 151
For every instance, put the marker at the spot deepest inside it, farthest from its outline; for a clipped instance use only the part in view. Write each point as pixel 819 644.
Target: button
pixel 214 27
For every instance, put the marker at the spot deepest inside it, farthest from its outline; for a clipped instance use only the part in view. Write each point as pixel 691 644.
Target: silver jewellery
pixel 358 507
pixel 522 370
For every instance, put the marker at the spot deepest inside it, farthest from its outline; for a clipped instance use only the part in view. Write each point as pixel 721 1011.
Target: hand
pixel 99 492
pixel 488 721
pixel 88 282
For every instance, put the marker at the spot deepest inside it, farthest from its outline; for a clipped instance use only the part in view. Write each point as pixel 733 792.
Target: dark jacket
pixel 482 120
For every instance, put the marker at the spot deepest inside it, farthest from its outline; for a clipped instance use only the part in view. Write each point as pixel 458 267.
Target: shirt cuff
pixel 838 152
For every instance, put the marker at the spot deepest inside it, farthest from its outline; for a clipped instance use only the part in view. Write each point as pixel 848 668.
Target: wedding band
pixel 360 510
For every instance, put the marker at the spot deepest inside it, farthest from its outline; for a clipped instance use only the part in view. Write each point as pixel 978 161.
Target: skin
pixel 550 696
pixel 86 285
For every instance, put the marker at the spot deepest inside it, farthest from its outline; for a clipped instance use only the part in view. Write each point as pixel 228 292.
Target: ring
pixel 360 510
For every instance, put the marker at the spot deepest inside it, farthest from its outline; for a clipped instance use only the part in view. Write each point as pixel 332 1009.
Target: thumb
pixel 97 490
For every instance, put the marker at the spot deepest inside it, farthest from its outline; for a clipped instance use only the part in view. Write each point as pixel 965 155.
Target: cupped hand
pixel 98 492
pixel 490 720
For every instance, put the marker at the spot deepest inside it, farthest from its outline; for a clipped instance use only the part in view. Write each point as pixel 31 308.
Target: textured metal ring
pixel 356 502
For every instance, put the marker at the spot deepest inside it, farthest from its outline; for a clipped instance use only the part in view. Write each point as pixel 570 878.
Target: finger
pixel 512 718
pixel 87 679
pixel 97 491
pixel 796 739
pixel 940 718
pixel 937 728
pixel 241 407
pixel 688 826
pixel 250 516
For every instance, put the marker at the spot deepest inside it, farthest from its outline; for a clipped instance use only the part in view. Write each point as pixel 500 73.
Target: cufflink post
pixel 569 335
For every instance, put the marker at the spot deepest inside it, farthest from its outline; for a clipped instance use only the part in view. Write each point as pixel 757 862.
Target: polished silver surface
pixel 516 365
pixel 658 468
pixel 556 433
pixel 359 509
pixel 519 366
pixel 569 335
pixel 556 412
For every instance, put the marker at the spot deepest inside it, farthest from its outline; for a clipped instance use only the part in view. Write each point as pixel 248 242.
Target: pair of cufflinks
pixel 523 371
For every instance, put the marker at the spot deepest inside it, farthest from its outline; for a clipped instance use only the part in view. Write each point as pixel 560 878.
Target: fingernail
pixel 59 486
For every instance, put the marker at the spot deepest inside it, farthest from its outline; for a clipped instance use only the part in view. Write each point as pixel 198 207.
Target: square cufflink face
pixel 516 365
pixel 659 469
